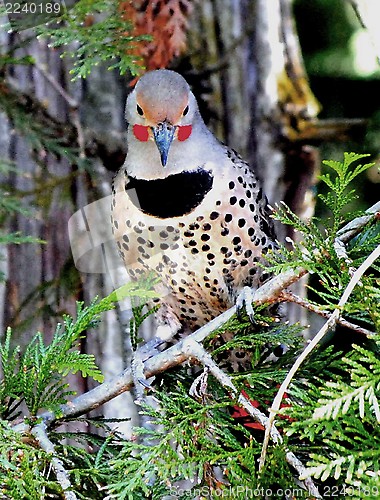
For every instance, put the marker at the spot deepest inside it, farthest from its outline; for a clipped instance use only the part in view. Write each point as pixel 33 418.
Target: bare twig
pixel 322 332
pixel 40 433
pixel 72 103
pixel 193 349
pixel 354 227
pixel 110 148
pixel 291 297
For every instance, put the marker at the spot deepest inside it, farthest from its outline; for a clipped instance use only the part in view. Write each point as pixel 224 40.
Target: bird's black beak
pixel 163 135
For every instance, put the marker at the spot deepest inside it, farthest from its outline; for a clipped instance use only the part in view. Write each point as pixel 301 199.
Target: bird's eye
pixel 140 110
pixel 185 111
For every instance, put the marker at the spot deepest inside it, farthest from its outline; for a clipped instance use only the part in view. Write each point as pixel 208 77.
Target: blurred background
pixel 285 84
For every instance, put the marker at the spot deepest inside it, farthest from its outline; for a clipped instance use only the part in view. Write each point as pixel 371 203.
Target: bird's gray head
pixel 161 108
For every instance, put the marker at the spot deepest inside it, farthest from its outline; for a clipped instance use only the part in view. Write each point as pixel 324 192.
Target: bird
pixel 187 207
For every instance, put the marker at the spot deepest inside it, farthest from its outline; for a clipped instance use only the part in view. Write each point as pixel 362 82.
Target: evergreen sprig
pixel 22 467
pixel 41 132
pixel 340 195
pixel 185 440
pixel 37 376
pixel 316 250
pixel 341 417
pixel 100 34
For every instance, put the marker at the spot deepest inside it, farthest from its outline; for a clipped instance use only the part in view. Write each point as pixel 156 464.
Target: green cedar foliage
pixel 99 33
pixel 317 251
pixel 35 379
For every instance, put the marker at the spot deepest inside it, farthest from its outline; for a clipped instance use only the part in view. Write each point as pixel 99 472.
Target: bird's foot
pixel 164 333
pixel 199 386
pixel 244 301
pixel 138 375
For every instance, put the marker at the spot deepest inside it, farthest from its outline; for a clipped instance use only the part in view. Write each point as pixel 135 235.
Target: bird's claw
pixel 145 384
pixel 199 386
pixel 142 354
pixel 137 368
pixel 244 301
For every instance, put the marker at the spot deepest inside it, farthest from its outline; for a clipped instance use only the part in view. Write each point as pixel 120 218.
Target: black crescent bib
pixel 174 196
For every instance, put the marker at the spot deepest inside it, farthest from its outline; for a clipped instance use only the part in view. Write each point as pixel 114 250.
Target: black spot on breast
pixel 176 195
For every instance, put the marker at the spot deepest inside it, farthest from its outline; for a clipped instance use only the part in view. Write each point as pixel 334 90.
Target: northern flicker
pixel 186 206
